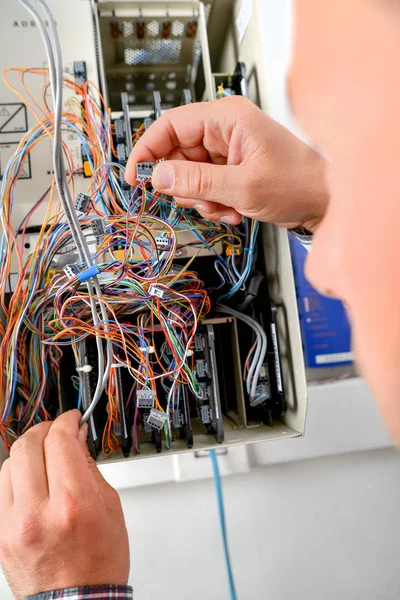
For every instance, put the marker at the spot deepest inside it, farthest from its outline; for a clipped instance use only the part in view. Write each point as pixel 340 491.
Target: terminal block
pixel 147 427
pixel 145 398
pixel 144 170
pixel 71 271
pixel 82 202
pixel 123 183
pixel 135 207
pixel 119 131
pixel 117 429
pixel 163 243
pixel 262 394
pixel 206 390
pixel 147 122
pixel 134 201
pixel 98 227
pixel 157 419
pixel 175 270
pixel 205 414
pixel 80 73
pixel 158 292
pixel 121 153
pixel 199 342
pixel 177 419
pixel 201 368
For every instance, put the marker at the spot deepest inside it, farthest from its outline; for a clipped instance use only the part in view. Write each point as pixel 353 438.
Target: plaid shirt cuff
pixel 303 235
pixel 88 592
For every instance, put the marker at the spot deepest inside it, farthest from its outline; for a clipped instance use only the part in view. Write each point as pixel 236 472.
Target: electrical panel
pixel 125 300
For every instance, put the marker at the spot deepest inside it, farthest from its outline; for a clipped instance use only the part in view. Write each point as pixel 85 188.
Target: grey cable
pixel 79 236
pixel 261 349
pixel 56 79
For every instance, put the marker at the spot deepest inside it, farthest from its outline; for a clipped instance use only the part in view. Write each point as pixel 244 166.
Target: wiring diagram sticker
pixel 13 117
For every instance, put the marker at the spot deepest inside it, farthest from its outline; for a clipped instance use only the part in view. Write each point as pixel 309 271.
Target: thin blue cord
pixel 221 510
pixel 80 397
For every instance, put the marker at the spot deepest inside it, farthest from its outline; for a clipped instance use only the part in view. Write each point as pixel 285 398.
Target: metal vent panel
pixel 152 52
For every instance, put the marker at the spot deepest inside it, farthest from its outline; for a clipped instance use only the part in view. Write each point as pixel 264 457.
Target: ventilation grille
pixel 153 52
pixel 147 53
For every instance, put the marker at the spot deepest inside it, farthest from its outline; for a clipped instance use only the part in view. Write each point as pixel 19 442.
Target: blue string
pixel 221 510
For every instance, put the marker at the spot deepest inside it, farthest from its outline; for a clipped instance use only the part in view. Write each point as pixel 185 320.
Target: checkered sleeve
pixel 88 592
pixel 303 235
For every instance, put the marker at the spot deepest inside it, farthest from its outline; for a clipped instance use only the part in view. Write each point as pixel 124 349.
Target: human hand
pixel 227 159
pixel 61 524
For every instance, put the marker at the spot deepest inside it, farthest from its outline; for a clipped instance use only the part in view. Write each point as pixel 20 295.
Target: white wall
pixel 323 529
pixel 311 530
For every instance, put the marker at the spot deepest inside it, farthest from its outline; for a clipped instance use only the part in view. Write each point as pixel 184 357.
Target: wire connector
pixel 163 242
pixel 199 342
pixel 119 130
pixel 201 368
pixel 206 390
pixel 145 398
pixel 144 170
pixel 177 419
pixel 82 202
pixel 71 271
pixel 205 414
pixel 133 201
pixel 262 394
pixel 98 227
pixel 158 292
pixel 121 153
pixel 157 419
pixel 123 183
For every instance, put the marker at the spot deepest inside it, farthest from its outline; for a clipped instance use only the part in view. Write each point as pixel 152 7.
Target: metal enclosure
pixel 105 36
pixel 149 48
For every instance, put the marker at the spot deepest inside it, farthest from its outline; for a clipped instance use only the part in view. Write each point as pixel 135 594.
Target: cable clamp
pixel 85 369
pixel 88 273
pixel 149 349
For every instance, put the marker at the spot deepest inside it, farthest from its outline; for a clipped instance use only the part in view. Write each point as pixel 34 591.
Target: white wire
pixel 261 348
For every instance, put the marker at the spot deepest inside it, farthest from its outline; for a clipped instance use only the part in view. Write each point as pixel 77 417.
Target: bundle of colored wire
pixel 124 294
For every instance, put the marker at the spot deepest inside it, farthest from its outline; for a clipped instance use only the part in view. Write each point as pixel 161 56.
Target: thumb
pixel 200 181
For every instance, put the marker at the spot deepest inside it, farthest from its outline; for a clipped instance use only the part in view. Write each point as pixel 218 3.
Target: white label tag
pixel 243 18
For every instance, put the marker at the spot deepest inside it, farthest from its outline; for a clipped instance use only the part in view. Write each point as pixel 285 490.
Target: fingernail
pixel 83 433
pixel 163 177
pixel 229 219
pixel 201 207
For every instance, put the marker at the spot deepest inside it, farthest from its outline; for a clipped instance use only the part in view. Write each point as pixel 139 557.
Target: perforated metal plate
pixel 148 47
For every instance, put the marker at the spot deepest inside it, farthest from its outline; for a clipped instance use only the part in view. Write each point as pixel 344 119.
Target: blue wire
pixel 80 397
pixel 221 510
